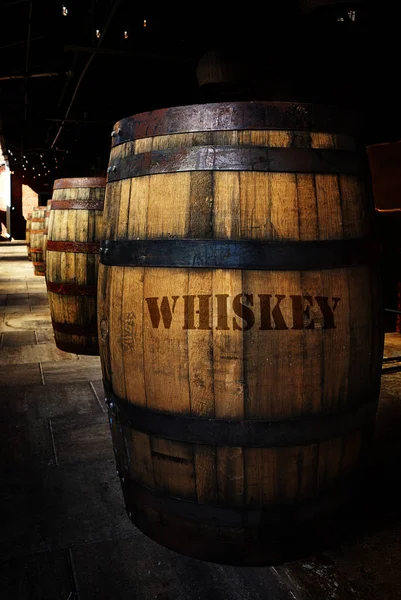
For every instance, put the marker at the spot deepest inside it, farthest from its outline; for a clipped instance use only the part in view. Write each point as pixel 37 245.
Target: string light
pixel 126 35
pixel 65 10
pixel 97 33
pixel 144 22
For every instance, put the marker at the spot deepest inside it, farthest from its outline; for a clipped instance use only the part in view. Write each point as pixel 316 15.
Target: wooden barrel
pixel 46 227
pixel 36 240
pixel 240 324
pixel 72 261
pixel 223 70
pixel 28 234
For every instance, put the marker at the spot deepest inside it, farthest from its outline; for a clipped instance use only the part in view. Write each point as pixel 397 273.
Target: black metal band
pixel 235 158
pixel 285 516
pixel 229 116
pixel 87 330
pixel 240 433
pixel 77 348
pixel 238 254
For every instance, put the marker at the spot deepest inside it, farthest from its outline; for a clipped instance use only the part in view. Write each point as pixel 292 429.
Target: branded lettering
pixel 267 313
pixel 222 317
pixel 242 312
pixel 165 312
pixel 301 312
pixel 203 312
pixel 328 313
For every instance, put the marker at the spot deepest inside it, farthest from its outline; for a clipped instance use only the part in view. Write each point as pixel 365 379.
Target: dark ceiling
pixel 62 88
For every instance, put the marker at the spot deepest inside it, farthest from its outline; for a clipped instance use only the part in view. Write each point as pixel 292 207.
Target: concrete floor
pixel 65 534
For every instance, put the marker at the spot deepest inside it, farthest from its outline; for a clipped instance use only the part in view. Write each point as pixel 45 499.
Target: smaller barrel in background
pixel 36 240
pixel 47 215
pixel 72 258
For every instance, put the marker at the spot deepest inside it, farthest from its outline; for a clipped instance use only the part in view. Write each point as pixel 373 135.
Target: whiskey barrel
pixel 72 260
pixel 36 240
pixel 46 229
pixel 240 325
pixel 28 234
pixel 223 71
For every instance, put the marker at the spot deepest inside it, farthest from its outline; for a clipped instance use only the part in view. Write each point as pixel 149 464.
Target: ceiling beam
pixel 97 50
pixel 31 76
pixel 81 121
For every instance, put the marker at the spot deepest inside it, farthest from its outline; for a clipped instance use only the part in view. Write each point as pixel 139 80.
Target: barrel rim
pixel 79 182
pixel 230 116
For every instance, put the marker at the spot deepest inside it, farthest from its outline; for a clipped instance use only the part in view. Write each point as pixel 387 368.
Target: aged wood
pixel 36 240
pixel 72 262
pixel 195 359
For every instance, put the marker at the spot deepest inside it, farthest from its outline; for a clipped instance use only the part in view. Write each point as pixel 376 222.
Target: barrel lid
pixel 79 182
pixel 229 116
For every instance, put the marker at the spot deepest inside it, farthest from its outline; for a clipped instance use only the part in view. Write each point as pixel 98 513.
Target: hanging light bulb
pixel 144 22
pixel 65 10
pixel 126 35
pixel 97 33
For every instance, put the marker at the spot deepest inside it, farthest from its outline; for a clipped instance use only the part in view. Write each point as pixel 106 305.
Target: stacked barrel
pixel 72 259
pixel 36 240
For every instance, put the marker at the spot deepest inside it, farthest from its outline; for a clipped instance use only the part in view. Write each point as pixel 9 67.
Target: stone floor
pixel 65 534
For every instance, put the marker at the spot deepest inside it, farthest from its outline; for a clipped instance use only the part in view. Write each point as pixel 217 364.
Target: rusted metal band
pixel 237 254
pixel 71 289
pixel 39 250
pixel 75 329
pixel 78 182
pixel 253 433
pixel 78 348
pixel 78 247
pixel 77 204
pixel 230 158
pixel 230 116
pixel 38 220
pixel 35 231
